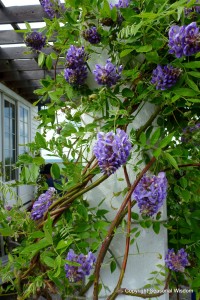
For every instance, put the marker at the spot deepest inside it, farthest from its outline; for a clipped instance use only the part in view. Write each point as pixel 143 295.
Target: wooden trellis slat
pixel 25 75
pixel 25 84
pixel 19 14
pixel 20 52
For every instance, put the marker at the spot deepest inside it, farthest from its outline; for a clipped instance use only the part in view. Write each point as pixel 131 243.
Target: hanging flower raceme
pixel 164 77
pixel 107 75
pixel 86 263
pixel 184 40
pixel 176 262
pixel 112 150
pixel 150 193
pixel 42 204
pixel 121 4
pixel 91 35
pixel 76 71
pixel 35 40
pixel 191 135
pixel 192 10
pixel 52 7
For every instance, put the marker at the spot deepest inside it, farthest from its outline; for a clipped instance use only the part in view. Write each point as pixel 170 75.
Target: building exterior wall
pixel 25 129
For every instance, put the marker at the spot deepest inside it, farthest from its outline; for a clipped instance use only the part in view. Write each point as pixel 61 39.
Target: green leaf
pixel 64 244
pixel 194 74
pixel 41 59
pixel 193 100
pixel 6 231
pixel 58 265
pixel 192 85
pixel 134 216
pixel 166 140
pixel 192 65
pixel 156 227
pixel 155 136
pixel 82 211
pixel 49 62
pixel 53 55
pixel 38 160
pixel 126 51
pixel 112 266
pixel 50 262
pixel 171 160
pixel 40 141
pixel 145 48
pixel 143 139
pixel 48 229
pixel 127 93
pixel 185 92
pixel 36 246
pixel 55 171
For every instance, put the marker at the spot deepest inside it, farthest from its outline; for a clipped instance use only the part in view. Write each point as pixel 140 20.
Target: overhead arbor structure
pixel 18 70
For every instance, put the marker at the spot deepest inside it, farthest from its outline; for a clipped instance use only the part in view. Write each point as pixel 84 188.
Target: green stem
pixel 148 123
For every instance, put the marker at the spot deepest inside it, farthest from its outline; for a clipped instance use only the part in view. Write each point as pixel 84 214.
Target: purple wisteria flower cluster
pixel 35 40
pixel 184 40
pixel 150 193
pixel 42 204
pixel 107 75
pixel 164 77
pixel 191 135
pixel 112 150
pixel 91 35
pixel 86 263
pixel 193 9
pixel 76 71
pixel 121 4
pixel 52 7
pixel 176 262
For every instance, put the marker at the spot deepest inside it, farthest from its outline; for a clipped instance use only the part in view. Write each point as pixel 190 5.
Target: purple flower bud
pixel 52 8
pixel 9 219
pixel 107 75
pixel 35 40
pixel 86 263
pixel 8 207
pixel 184 40
pixel 112 150
pixel 165 77
pixel 91 35
pixel 150 193
pixel 176 262
pixel 42 204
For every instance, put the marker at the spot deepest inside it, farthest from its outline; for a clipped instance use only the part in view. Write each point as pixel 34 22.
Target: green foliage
pixel 136 38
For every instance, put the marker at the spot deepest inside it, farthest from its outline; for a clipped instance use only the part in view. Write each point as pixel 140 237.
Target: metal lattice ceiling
pixel 20 71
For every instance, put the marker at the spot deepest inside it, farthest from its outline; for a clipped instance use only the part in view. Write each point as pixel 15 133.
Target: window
pixel 9 145
pixel 23 129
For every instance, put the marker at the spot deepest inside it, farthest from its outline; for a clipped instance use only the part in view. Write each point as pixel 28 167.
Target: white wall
pixel 25 192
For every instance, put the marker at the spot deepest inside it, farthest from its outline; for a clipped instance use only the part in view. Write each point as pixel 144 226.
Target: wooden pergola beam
pixel 25 75
pixel 20 52
pixel 30 13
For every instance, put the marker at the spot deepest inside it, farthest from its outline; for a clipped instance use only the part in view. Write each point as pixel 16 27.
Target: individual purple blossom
pixel 176 262
pixel 184 40
pixel 86 263
pixel 107 75
pixel 112 150
pixel 91 35
pixel 150 193
pixel 42 204
pixel 164 77
pixel 52 7
pixel 35 40
pixel 9 219
pixel 76 76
